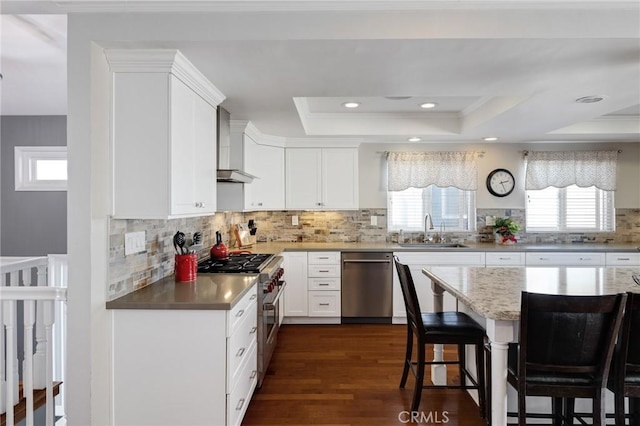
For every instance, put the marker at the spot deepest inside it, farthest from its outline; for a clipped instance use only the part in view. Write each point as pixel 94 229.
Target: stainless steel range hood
pixel 225 172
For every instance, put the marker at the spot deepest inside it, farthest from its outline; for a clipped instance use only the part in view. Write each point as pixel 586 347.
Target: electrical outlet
pixel 374 220
pixel 294 220
pixel 489 220
pixel 134 242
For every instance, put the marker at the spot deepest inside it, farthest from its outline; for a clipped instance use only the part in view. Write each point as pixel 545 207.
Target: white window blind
pixel 452 207
pixel 570 209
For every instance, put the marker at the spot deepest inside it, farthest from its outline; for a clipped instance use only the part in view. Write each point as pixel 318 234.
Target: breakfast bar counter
pixel 494 294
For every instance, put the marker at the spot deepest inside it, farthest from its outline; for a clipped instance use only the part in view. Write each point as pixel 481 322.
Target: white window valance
pixel 421 169
pixel 564 168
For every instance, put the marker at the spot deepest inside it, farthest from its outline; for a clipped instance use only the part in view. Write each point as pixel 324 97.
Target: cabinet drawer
pixel 505 259
pixel 565 259
pixel 239 397
pixel 324 258
pixel 322 271
pixel 329 283
pixel 240 343
pixel 324 304
pixel 239 311
pixel 623 259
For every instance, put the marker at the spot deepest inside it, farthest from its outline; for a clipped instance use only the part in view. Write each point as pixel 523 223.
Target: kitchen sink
pixel 432 245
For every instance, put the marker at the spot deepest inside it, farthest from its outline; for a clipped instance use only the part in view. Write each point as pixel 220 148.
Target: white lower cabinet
pixel 295 274
pixel 565 259
pixel 623 259
pixel 505 259
pixel 313 287
pixel 184 367
pixel 416 262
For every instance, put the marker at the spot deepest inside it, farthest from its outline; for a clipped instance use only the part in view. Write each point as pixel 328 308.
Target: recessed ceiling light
pixel 590 99
pixel 490 138
pixel 428 105
pixel 351 104
pixel 414 139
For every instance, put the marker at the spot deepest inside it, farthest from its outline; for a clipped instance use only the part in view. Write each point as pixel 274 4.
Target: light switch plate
pixel 489 220
pixel 374 220
pixel 294 220
pixel 134 242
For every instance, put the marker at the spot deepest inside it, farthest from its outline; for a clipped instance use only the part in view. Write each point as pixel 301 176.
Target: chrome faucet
pixel 427 219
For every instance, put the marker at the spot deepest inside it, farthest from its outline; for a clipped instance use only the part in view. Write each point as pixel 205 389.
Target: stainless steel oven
pixel 268 330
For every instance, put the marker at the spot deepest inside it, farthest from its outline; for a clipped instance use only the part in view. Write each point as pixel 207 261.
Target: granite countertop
pixel 495 292
pixel 277 247
pixel 208 292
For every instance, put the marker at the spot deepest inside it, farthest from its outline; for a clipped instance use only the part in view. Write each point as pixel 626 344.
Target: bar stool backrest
pixel 410 296
pixel 569 334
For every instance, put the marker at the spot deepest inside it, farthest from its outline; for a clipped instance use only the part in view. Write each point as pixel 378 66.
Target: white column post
pixel 438 372
pixel 501 333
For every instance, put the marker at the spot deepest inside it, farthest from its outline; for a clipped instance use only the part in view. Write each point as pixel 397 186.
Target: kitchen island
pixel 493 295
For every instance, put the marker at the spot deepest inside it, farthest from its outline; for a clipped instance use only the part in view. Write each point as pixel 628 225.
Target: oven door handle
pixel 271 305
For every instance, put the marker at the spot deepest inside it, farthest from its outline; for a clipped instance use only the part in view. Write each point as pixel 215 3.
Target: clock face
pixel 500 182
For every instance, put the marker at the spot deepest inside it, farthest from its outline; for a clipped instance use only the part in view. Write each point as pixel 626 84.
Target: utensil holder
pixel 186 267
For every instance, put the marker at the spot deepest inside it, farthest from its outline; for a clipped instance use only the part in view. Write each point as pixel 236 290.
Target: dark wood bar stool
pixel 565 351
pixel 624 378
pixel 456 328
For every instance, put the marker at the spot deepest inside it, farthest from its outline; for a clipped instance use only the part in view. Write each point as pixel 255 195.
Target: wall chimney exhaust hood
pixel 225 172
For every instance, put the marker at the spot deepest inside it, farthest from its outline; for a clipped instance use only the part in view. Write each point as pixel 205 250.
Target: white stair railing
pixel 42 307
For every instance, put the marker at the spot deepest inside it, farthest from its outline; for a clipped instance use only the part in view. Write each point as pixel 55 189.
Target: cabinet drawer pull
pixel 623 258
pixel 324 257
pixel 324 304
pixel 585 258
pixel 254 373
pixel 323 270
pixel 253 330
pixel 240 352
pixel 253 296
pixel 504 258
pixel 543 258
pixel 240 313
pixel 240 404
pixel 200 204
pixel 324 284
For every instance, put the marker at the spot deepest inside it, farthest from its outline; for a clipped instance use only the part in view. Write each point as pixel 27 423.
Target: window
pixel 41 168
pixel 452 207
pixel 570 209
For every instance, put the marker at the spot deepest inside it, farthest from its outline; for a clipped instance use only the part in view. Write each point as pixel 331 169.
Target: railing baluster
pixel 39 358
pixel 49 317
pixel 29 318
pixel 9 313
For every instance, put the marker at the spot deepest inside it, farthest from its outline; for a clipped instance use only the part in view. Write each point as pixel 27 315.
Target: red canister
pixel 186 267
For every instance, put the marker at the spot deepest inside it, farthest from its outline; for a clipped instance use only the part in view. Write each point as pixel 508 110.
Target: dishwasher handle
pixel 366 260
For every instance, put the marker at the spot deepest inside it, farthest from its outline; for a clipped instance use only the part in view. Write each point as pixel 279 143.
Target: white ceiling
pixel 511 68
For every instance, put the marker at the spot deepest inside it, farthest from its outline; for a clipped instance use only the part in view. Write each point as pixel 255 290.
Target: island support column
pixel 438 372
pixel 500 333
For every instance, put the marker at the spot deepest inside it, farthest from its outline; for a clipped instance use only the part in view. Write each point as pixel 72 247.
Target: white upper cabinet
pixel 322 178
pixel 163 135
pixel 261 156
pixel 266 162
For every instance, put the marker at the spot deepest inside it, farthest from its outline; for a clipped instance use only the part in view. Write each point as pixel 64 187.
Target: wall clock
pixel 500 182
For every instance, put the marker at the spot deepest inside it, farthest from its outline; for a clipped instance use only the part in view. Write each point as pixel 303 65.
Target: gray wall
pixel 32 223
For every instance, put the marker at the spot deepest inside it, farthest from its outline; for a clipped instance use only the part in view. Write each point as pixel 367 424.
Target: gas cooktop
pixel 236 263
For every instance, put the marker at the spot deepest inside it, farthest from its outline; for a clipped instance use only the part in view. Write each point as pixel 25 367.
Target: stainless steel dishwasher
pixel 367 287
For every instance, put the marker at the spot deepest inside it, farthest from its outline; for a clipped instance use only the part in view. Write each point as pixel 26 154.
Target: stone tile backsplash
pixel 132 272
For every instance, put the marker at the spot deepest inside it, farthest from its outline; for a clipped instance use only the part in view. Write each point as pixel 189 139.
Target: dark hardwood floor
pixel 349 375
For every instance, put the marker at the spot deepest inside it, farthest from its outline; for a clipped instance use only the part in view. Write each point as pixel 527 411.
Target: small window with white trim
pixel 41 168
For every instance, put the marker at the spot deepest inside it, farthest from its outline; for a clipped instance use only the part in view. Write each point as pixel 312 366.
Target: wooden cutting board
pixel 243 236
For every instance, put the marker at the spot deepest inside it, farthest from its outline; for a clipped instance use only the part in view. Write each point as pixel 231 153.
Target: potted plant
pixel 506 230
